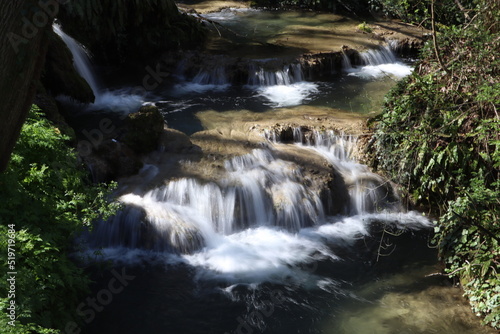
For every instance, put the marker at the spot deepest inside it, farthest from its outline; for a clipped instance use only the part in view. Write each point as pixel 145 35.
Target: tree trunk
pixel 23 24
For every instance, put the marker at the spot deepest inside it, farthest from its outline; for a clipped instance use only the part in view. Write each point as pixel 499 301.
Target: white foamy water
pixel 258 255
pixel 266 254
pixel 397 70
pixel 121 100
pixel 287 96
pixel 258 224
pixel 377 64
pixel 281 88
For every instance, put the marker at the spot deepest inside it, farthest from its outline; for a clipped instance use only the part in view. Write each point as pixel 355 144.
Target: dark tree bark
pixel 23 42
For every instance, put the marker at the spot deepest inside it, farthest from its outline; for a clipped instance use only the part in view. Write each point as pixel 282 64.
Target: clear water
pixel 353 93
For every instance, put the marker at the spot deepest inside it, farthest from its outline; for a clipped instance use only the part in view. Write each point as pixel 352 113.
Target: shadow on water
pixel 354 299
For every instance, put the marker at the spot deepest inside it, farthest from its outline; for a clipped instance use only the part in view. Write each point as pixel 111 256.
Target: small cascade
pixel 384 55
pixel 123 100
pixel 289 75
pixel 81 59
pixel 377 63
pixel 215 76
pixel 259 190
pixel 282 88
pixel 209 77
pixel 369 192
pixel 346 62
pixel 184 215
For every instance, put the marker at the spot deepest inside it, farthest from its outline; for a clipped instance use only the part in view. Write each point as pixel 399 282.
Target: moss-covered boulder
pixel 142 130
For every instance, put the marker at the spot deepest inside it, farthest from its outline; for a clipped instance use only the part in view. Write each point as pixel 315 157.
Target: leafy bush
pixel 352 7
pixel 46 195
pixel 439 136
pixel 418 11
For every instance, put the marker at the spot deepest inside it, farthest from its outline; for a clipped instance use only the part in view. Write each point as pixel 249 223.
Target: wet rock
pixel 112 160
pixel 142 130
pixel 175 141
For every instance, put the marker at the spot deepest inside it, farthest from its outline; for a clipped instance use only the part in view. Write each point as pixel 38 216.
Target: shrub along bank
pixel 45 200
pixel 439 137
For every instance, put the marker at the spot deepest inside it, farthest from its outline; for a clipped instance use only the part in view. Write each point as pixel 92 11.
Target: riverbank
pixel 322 32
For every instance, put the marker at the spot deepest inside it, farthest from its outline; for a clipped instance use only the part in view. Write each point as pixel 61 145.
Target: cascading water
pixel 256 250
pixel 289 75
pixel 283 88
pixel 184 215
pixel 377 63
pixel 122 100
pixel 261 215
pixel 207 79
pixel 216 76
pixel 81 60
pixel 368 192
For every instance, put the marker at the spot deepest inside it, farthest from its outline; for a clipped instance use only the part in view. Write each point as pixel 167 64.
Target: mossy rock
pixel 142 130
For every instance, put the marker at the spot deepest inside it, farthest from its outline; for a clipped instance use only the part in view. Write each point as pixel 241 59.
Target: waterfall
pixel 346 62
pixel 377 63
pixel 289 75
pixel 383 55
pixel 215 76
pixel 123 100
pixel 207 79
pixel 184 215
pixel 81 59
pixel 368 191
pixel 260 222
pixel 259 190
pixel 282 88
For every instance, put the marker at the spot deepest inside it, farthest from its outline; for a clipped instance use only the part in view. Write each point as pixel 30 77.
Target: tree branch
pixel 434 40
pixel 463 10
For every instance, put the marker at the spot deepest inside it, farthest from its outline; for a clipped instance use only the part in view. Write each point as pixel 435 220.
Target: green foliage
pixel 46 195
pixel 120 30
pixel 364 27
pixel 439 136
pixel 418 11
pixel 352 7
pixel 412 11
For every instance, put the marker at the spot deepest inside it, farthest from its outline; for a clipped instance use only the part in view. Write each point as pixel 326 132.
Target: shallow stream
pixel 257 250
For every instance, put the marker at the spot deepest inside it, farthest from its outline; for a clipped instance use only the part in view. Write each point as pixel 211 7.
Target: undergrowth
pixel 45 200
pixel 439 136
